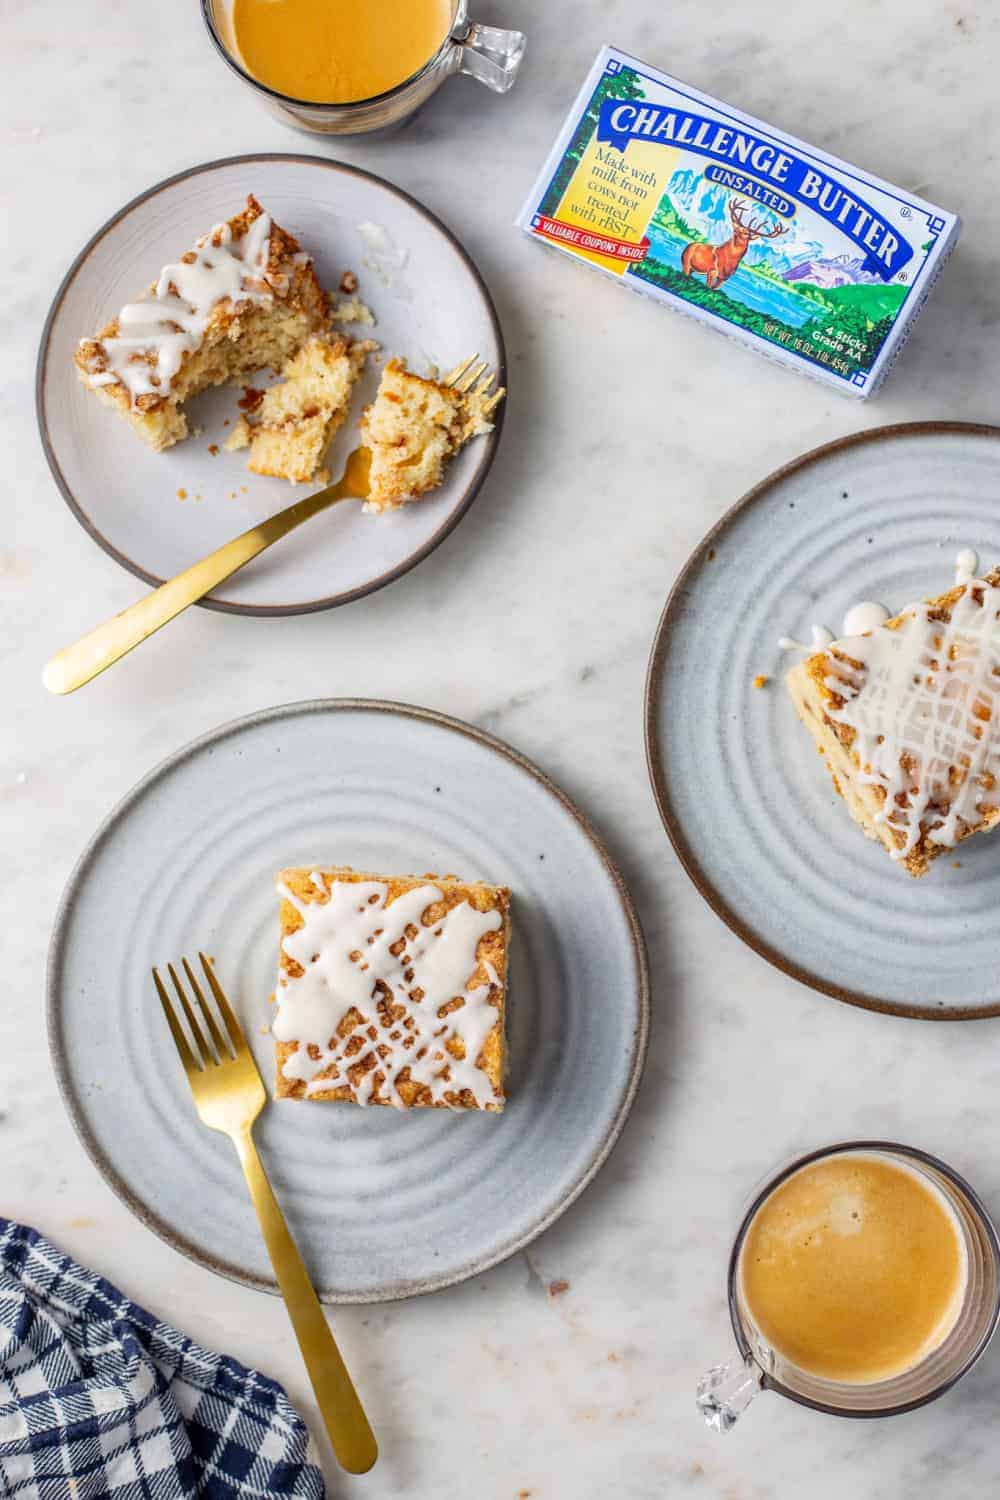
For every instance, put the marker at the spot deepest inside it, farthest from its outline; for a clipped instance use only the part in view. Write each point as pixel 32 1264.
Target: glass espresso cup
pixel 487 53
pixel 727 1389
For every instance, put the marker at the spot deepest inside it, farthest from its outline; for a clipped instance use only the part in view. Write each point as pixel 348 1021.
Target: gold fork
pixel 229 1095
pixel 88 657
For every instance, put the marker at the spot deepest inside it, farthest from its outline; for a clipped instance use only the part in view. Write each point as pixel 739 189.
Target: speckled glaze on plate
pixel 383 1204
pixel 433 308
pixel 748 804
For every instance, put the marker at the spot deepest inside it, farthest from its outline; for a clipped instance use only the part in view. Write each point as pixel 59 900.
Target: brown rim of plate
pixel 654 759
pixel 638 1041
pixel 229 606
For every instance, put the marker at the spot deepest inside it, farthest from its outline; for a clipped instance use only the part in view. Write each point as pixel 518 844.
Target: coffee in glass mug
pixel 864 1281
pixel 854 1269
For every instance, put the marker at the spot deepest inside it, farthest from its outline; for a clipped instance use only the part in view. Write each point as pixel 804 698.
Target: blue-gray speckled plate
pixel 745 798
pixel 383 1204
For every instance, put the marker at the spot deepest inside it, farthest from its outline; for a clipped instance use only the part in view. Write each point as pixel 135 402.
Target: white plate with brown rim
pixel 749 806
pixel 384 1203
pixel 156 513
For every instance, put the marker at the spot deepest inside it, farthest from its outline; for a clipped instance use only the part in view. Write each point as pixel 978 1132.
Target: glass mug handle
pixel 488 53
pixel 725 1391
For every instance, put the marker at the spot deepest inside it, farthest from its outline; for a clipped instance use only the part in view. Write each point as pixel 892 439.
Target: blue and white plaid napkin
pixel 99 1401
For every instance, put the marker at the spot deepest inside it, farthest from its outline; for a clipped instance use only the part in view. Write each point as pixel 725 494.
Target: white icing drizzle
pixel 383 256
pixel 155 333
pixel 924 703
pixel 819 637
pixel 344 948
pixel 966 565
pixel 861 618
pixel 868 616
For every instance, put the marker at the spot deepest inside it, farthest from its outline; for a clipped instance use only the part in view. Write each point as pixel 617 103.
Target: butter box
pixel 693 203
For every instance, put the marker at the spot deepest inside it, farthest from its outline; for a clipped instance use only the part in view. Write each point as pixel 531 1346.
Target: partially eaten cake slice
pixel 391 989
pixel 413 427
pixel 244 297
pixel 291 429
pixel 907 718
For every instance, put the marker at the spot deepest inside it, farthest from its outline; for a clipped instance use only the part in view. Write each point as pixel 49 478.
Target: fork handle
pixel 78 664
pixel 339 1406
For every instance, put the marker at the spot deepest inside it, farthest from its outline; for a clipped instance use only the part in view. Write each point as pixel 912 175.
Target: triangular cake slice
pixel 907 718
pixel 244 297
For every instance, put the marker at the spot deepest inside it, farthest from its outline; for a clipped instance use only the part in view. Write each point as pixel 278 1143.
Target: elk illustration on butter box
pixel 694 203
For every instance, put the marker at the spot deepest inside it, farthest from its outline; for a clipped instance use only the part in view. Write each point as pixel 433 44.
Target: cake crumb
pixel 213 448
pixel 760 680
pixel 353 310
pixel 956 864
pixel 239 437
pixel 182 494
pixel 348 283
pixel 557 1288
pixel 251 398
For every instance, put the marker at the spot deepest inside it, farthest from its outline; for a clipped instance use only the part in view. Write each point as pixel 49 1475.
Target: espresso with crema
pixel 854 1268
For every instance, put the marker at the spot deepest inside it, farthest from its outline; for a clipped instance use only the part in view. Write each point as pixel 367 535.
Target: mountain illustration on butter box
pixel 702 207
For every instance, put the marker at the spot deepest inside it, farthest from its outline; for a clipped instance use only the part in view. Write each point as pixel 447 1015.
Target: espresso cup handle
pixel 725 1391
pixel 490 54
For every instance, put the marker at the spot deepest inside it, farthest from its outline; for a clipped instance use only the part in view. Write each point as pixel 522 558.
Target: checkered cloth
pixel 99 1401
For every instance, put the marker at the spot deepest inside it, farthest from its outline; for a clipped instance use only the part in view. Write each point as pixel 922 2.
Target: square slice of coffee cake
pixel 391 989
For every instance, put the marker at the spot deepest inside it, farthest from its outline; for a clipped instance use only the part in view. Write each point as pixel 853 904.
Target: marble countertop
pixel 627 436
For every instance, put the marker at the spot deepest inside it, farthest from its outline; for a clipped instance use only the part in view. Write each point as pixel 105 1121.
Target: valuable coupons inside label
pixel 688 200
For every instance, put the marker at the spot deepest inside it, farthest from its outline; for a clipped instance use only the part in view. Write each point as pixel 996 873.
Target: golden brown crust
pixel 492 950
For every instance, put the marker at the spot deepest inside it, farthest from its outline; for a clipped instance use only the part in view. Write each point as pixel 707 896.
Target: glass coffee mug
pixel 727 1389
pixel 486 53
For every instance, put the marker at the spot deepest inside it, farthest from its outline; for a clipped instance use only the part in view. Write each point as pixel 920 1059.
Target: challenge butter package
pixel 688 200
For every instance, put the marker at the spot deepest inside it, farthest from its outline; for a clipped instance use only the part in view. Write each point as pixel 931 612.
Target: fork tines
pixel 472 374
pixel 474 377
pixel 200 1053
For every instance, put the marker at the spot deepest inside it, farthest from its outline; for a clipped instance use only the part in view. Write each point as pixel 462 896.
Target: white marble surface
pixel 627 436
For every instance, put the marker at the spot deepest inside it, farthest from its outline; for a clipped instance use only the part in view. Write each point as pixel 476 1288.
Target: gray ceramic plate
pixel 744 797
pixel 382 1204
pixel 431 306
